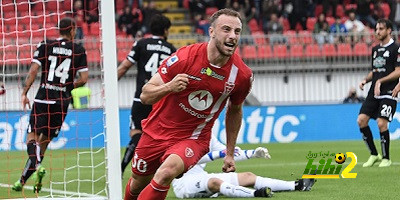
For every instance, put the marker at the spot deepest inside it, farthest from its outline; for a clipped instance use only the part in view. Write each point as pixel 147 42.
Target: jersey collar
pixel 389 43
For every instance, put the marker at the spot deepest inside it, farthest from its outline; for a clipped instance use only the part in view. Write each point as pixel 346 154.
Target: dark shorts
pixel 138 113
pixel 151 153
pixel 379 108
pixel 47 119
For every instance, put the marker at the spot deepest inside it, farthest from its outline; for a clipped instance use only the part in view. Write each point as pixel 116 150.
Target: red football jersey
pixel 191 113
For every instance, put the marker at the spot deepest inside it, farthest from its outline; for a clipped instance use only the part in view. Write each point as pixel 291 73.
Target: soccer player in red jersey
pixel 188 93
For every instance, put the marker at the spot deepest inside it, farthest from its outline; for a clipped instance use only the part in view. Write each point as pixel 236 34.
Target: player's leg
pixel 192 184
pixel 387 110
pixel 138 113
pixel 228 184
pixel 130 149
pixel 33 147
pixel 158 188
pixel 177 159
pixel 57 114
pixel 368 109
pixel 135 185
pixel 249 179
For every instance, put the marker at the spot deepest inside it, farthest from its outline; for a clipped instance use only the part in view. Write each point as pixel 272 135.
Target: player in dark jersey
pixel 380 103
pixel 147 53
pixel 60 60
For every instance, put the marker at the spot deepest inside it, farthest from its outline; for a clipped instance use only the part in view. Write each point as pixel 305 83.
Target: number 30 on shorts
pixel 386 111
pixel 139 164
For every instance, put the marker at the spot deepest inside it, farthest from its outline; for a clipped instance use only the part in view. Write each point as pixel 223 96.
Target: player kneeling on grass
pixel 51 103
pixel 197 183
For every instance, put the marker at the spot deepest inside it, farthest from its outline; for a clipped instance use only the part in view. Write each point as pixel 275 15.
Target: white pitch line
pixel 76 194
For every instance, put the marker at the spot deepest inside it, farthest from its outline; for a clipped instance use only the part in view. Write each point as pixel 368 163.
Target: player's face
pixel 226 34
pixel 381 31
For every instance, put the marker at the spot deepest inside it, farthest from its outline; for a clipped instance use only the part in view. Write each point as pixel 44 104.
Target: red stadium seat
pixel 310 23
pixel 291 36
pixel 361 49
pixel 330 20
pixel 249 52
pixel 340 11
pixel 305 36
pixel 38 6
pixel 344 50
pixel 264 51
pixel 318 10
pixel 93 56
pixel 23 7
pixel 285 23
pixel 351 6
pixel 259 37
pixel 67 5
pixel 95 29
pixel 329 50
pixel 312 50
pixel 296 51
pixel 211 10
pixel 280 51
pixel 386 9
pixel 253 25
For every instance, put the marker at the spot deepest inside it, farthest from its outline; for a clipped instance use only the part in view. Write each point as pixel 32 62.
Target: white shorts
pixel 195 185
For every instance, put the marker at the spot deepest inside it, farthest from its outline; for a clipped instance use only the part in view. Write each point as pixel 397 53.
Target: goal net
pixel 77 162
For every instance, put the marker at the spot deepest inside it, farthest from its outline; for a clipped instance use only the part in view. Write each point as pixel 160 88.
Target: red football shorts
pixel 151 153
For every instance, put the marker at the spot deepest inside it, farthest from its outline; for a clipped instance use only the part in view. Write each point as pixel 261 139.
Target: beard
pixel 220 47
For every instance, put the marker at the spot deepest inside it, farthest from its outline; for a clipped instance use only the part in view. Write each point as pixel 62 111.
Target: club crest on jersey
pixel 229 87
pixel 172 60
pixel 200 100
pixel 189 152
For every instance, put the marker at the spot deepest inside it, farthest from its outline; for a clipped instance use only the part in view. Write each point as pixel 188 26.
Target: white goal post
pixel 111 100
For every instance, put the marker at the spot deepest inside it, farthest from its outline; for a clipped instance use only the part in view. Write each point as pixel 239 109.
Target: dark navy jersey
pixel 148 53
pixel 384 61
pixel 60 61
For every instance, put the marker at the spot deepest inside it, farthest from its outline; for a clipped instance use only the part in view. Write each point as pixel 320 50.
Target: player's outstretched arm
pixel 233 121
pixel 367 79
pixel 156 89
pixel 259 152
pixel 30 78
pixel 123 68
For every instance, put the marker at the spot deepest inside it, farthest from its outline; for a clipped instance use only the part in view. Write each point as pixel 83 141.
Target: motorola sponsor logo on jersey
pixel 199 100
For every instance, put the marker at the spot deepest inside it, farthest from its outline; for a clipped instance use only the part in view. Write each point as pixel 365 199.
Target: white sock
pixel 274 184
pixel 230 190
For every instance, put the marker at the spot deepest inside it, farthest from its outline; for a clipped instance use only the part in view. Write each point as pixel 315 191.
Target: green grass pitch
pixel 287 163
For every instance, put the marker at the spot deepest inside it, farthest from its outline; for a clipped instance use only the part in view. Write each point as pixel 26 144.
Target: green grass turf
pixel 287 163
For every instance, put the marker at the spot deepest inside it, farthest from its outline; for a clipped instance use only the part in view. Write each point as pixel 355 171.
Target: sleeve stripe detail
pixel 83 69
pixel 37 62
pixel 131 60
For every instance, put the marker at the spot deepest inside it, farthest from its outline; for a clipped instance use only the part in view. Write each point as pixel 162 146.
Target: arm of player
pixel 366 80
pixel 390 77
pixel 83 78
pixel 30 78
pixel 156 89
pixel 123 68
pixel 233 121
pixel 259 152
